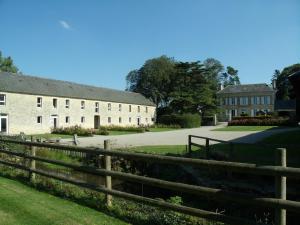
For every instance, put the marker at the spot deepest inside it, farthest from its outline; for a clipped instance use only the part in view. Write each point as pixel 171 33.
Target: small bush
pixel 264 117
pixel 183 120
pixel 73 130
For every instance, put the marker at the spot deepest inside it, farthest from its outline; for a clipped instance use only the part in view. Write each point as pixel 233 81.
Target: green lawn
pixel 246 128
pixel 162 149
pixel 242 152
pixel 116 132
pixel 23 205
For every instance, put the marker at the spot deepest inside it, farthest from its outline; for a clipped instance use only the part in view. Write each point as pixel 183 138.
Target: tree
pixel 191 88
pixel 7 65
pixel 284 88
pixel 153 79
pixel 230 77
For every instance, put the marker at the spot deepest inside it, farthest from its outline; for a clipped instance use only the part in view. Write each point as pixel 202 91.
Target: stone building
pixel 36 105
pixel 249 99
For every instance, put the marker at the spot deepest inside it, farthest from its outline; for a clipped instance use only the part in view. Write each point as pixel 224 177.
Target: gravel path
pixel 176 137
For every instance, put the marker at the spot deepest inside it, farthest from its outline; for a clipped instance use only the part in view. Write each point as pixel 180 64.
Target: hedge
pixel 261 122
pixel 183 120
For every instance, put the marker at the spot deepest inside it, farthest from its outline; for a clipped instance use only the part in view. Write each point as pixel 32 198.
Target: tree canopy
pixel 284 88
pixel 180 87
pixel 7 64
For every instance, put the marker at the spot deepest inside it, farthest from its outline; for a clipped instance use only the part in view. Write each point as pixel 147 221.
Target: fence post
pixel 207 148
pixel 190 145
pixel 32 162
pixel 280 186
pixel 108 178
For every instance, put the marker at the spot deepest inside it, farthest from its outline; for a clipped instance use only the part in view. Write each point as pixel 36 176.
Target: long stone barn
pixel 35 105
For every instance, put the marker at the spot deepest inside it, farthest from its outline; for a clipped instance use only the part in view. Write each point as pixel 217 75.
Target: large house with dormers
pixel 247 99
pixel 36 105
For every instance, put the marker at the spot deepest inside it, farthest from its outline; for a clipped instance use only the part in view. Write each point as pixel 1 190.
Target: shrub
pixel 73 130
pixel 183 120
pixel 160 125
pixel 119 128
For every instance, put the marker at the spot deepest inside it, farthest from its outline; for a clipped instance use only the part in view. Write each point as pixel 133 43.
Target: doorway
pixel 4 124
pixel 54 121
pixel 96 122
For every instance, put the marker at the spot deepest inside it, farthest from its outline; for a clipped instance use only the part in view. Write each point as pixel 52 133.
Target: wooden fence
pixel 280 172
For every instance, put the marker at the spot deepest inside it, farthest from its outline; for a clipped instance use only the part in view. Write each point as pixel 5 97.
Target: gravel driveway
pixel 176 137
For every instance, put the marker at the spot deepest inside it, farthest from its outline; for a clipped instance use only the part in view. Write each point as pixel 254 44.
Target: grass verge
pixel 23 205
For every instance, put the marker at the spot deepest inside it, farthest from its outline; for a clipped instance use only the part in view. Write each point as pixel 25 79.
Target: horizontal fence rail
pixel 217 194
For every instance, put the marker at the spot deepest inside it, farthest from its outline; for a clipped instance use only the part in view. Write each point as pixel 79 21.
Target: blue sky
pixel 99 42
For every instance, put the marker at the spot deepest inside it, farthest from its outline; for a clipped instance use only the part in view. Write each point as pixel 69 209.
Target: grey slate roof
pixel 285 105
pixel 246 88
pixel 16 83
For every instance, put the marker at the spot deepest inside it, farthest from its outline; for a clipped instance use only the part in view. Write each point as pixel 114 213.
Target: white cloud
pixel 65 25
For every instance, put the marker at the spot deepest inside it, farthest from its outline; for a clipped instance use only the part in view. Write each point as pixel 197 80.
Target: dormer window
pixel 82 104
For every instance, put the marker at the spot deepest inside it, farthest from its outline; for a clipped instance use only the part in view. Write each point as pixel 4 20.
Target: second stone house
pixel 248 99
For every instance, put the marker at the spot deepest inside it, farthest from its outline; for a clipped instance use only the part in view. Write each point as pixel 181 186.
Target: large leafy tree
pixel 192 88
pixel 284 88
pixel 7 64
pixel 153 79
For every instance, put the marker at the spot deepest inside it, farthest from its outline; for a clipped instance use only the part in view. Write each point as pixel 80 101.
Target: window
pixel 2 99
pixel 109 106
pixel 139 109
pixel 120 119
pixel 153 119
pixel 109 119
pixel 267 100
pixel 146 120
pixel 243 100
pixel 67 103
pixel 120 107
pixel 129 108
pixel 82 119
pixel 262 100
pixel 257 100
pixel 54 102
pixel 146 109
pixel 39 120
pixel 129 119
pixel 39 102
pixel 82 104
pixel 97 107
pixel 67 119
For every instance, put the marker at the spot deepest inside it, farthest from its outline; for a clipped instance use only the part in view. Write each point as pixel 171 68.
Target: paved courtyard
pixel 176 137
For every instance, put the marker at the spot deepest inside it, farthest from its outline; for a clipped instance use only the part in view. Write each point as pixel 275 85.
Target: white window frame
pixel 39 102
pixel 3 102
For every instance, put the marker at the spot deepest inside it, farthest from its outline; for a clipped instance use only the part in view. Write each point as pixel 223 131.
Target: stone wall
pixel 22 113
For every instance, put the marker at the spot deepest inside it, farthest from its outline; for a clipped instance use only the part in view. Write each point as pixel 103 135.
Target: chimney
pixel 221 87
pixel 274 83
